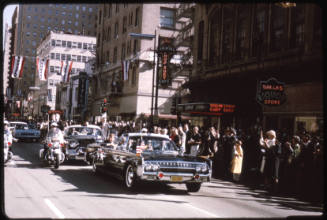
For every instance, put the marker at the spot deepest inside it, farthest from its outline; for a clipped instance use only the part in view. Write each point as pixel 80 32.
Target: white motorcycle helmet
pixel 54 124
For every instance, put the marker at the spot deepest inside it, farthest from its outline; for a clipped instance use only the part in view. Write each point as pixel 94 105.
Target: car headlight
pixel 151 167
pixel 198 168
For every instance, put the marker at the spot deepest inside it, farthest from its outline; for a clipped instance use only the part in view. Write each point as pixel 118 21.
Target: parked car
pixel 150 157
pixel 77 138
pixel 24 132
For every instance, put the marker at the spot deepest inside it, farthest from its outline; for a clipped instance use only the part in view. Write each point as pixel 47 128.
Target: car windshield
pixel 76 131
pixel 151 144
pixel 21 126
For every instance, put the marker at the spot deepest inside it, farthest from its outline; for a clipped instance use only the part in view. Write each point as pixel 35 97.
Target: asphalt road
pixel 74 191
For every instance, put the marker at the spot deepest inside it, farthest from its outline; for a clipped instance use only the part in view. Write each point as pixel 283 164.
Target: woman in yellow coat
pixel 237 160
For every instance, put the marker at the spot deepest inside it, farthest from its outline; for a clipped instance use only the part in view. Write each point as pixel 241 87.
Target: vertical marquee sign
pixel 271 92
pixel 166 51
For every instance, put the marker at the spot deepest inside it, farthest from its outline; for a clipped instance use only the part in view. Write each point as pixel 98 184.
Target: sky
pixel 7 15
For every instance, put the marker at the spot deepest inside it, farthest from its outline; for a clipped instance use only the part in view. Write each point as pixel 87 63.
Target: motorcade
pixel 150 157
pixel 23 132
pixel 52 154
pixel 77 137
pixel 7 143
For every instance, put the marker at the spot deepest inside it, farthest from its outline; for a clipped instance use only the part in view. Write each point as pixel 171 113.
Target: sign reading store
pixel 271 92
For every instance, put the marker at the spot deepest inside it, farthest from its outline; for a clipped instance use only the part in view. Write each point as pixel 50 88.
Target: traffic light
pixel 104 107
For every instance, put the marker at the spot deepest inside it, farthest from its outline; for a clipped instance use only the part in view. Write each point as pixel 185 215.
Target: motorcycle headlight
pixel 73 144
pixel 204 168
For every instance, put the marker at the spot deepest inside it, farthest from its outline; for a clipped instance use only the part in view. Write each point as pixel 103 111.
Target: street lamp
pixel 150 37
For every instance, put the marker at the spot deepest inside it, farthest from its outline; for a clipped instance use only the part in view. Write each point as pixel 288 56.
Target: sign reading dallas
pixel 271 92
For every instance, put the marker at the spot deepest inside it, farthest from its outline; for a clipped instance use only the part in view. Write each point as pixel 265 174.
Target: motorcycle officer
pixel 54 131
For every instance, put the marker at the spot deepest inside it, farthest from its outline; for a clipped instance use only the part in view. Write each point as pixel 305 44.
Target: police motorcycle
pixel 52 153
pixel 7 154
pixel 7 143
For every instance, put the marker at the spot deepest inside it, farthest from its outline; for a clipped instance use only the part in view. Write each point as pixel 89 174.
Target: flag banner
pixel 22 67
pixel 19 66
pixel 37 64
pixel 62 68
pixel 13 60
pixel 46 70
pixel 69 70
pixel 125 68
pixel 41 69
pixel 65 72
pixel 16 63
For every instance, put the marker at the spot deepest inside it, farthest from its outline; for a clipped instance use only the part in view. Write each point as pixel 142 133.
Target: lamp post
pixel 154 75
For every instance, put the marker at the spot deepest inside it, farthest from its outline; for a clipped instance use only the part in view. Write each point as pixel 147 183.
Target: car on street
pixel 24 132
pixel 77 138
pixel 150 157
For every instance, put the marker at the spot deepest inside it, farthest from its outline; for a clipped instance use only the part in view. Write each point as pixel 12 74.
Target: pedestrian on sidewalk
pixel 237 160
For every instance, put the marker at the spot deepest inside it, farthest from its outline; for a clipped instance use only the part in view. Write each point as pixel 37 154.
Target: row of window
pixel 126 50
pixel 222 34
pixel 77 58
pixel 56 69
pixel 57 13
pixel 70 44
pixel 68 6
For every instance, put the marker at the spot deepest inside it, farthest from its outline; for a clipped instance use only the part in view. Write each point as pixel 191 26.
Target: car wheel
pixel 129 177
pixel 193 187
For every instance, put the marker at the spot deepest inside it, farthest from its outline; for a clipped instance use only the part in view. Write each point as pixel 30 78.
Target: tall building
pixel 60 49
pixel 244 52
pixel 130 96
pixel 34 21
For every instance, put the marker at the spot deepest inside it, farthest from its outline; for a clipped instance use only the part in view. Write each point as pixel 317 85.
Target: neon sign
pixel 271 92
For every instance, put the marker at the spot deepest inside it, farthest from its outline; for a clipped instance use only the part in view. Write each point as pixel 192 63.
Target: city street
pixel 74 191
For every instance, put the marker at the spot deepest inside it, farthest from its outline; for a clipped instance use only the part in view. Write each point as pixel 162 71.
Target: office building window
pixel 79 58
pixel 137 11
pixel 74 45
pixel 76 23
pixel 85 46
pixel 200 40
pixel 79 45
pixel 77 7
pixel 135 47
pixel 74 58
pixel 69 57
pixel 167 18
pixel 115 55
pixel 134 76
pixel 297 26
pixel 277 28
pixel 42 19
pixel 57 56
pixel 69 22
pixel 29 16
pixel 109 34
pixel 124 24
pixel 116 30
pixel 76 15
pixel 90 10
pixel 28 34
pixel 109 10
pixel 34 34
pixel 117 8
pixel 63 22
pixel 28 25
pixel 123 51
pixel 83 58
pixel 69 44
pixel 84 8
pixel 58 43
pixel 63 56
pixel 33 43
pixel 53 43
pixel 52 55
pixel 63 13
pixel 64 43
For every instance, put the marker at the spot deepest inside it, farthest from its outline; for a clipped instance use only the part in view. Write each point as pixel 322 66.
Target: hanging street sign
pixel 271 92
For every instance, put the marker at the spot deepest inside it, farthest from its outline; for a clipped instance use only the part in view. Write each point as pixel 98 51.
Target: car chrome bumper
pixel 175 177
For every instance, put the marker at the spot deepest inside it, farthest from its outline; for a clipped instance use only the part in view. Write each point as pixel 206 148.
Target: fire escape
pixel 184 37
